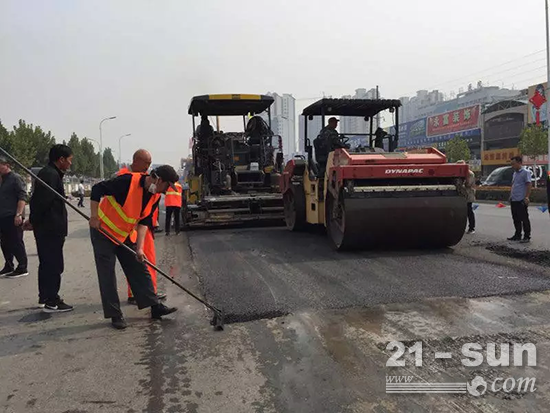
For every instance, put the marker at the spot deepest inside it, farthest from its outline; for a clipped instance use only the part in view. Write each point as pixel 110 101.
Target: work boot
pixel 119 323
pixel 158 310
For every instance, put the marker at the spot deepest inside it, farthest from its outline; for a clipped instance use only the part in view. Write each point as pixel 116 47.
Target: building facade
pixel 353 124
pixel 283 121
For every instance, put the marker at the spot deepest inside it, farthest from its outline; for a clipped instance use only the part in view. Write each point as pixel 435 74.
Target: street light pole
pixel 101 172
pixel 547 84
pixel 119 149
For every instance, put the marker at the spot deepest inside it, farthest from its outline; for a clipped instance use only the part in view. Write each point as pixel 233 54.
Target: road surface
pixel 308 332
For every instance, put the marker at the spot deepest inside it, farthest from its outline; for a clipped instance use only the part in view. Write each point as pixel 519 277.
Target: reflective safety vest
pixel 120 221
pixel 173 198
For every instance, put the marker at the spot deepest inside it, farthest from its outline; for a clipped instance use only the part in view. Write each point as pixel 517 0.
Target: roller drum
pixel 404 220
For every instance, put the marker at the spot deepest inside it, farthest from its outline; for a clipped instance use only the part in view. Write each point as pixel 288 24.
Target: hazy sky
pixel 65 65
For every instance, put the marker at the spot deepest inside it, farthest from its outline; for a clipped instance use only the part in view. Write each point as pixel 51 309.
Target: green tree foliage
pixel 533 142
pixel 109 164
pixel 31 145
pixel 457 149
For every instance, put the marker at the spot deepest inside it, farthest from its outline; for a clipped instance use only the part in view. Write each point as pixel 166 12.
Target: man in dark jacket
pixel 48 219
pixel 12 209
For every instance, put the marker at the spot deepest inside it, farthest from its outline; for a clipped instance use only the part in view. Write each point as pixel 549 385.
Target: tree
pixel 533 142
pixel 90 159
pixel 31 145
pixel 109 163
pixel 457 149
pixel 78 163
pixel 6 141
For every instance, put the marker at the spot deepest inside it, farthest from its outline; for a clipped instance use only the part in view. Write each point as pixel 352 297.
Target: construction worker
pixel 123 208
pixel 141 162
pixel 172 202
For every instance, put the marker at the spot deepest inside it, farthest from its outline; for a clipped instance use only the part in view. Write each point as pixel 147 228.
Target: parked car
pixel 503 176
pixel 499 177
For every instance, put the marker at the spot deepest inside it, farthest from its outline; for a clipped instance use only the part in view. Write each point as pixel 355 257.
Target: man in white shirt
pixel 81 194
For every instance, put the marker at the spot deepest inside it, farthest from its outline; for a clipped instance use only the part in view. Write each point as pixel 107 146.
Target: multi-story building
pixel 426 104
pixel 283 121
pixel 352 124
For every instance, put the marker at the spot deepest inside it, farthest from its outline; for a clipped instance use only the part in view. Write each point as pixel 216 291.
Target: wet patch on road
pixel 539 257
pixel 35 317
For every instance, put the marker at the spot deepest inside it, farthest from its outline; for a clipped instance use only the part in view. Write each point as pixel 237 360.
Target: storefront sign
pixel 454 121
pixel 498 156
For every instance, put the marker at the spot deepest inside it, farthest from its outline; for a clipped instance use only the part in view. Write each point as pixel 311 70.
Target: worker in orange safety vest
pixel 172 202
pixel 141 163
pixel 123 208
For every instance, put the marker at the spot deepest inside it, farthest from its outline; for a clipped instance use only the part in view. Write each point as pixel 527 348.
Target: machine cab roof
pixel 229 105
pixel 350 107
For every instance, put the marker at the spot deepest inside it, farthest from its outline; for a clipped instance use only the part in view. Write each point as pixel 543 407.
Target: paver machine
pixel 235 176
pixel 370 195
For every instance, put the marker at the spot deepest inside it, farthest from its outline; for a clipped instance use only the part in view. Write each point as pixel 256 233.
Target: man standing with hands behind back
pixel 519 200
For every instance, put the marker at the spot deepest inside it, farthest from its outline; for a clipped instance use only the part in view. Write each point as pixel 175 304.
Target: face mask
pixel 153 188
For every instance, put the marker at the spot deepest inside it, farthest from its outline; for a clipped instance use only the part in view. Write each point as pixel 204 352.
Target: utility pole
pixel 101 172
pixel 378 114
pixel 547 84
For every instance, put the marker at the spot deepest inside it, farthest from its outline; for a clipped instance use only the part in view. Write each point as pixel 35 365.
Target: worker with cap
pixel 141 162
pixel 121 213
pixel 327 141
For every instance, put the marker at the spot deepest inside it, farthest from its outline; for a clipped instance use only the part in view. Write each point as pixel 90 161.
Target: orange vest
pixel 120 221
pixel 173 198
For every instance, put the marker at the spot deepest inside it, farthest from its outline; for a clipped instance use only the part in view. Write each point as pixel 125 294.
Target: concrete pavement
pixel 327 354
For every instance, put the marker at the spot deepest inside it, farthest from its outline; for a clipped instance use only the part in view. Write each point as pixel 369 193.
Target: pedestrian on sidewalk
pixel 48 219
pixel 519 200
pixel 81 194
pixel 123 208
pixel 12 210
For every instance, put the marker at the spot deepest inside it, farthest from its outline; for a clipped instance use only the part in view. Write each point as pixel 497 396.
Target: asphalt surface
pixel 328 354
pixel 267 272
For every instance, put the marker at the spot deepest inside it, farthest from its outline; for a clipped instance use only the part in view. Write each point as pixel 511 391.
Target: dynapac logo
pixel 404 171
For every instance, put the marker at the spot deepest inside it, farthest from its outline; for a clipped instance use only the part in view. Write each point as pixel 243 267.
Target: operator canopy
pixel 229 105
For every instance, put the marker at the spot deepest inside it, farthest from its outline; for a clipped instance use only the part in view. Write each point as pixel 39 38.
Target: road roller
pixel 370 195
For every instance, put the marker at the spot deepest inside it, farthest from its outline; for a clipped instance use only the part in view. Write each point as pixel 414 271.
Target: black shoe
pixel 132 300
pixel 57 307
pixel 119 323
pixel 41 303
pixel 161 296
pixel 6 271
pixel 514 238
pixel 525 240
pixel 17 274
pixel 167 234
pixel 157 311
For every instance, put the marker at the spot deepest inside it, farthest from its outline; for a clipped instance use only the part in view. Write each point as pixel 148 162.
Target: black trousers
pixel 51 265
pixel 11 240
pixel 105 253
pixel 520 215
pixel 177 213
pixel 81 201
pixel 471 217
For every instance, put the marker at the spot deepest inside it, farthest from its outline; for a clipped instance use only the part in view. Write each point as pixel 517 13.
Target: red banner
pixel 454 121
